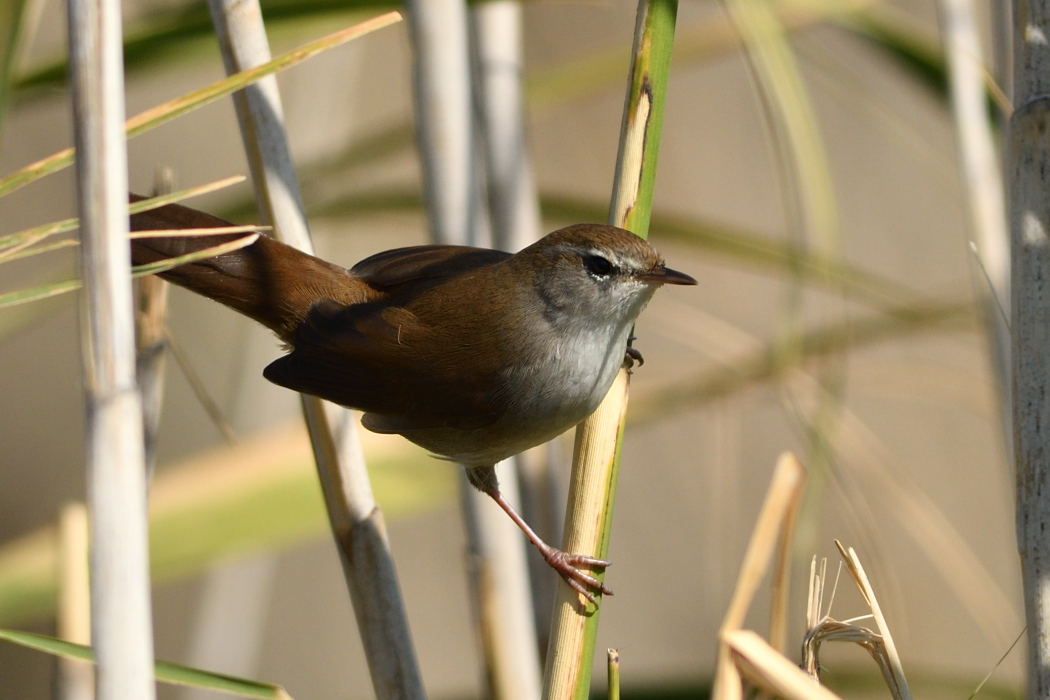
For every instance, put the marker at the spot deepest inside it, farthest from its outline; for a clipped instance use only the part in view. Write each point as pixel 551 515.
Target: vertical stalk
pixel 505 600
pixel 122 631
pixel 356 520
pixel 1029 163
pixel 983 181
pixel 445 130
pixel 592 489
pixel 76 678
pixel 444 124
pixel 514 205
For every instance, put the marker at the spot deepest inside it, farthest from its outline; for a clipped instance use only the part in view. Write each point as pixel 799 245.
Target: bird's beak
pixel 665 275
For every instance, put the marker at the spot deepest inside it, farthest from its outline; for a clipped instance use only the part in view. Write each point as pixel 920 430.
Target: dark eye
pixel 597 265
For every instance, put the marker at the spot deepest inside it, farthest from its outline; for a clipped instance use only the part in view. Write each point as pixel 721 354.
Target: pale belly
pixel 564 386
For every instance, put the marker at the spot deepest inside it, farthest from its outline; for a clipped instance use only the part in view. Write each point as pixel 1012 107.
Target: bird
pixel 473 354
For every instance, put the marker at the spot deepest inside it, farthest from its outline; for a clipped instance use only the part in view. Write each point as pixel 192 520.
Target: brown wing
pixel 407 372
pixel 395 267
pixel 373 358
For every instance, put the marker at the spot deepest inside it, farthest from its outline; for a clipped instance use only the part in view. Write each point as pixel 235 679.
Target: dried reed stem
pixel 514 205
pixel 982 180
pixel 505 600
pixel 445 131
pixel 1028 161
pixel 76 679
pixel 122 631
pixel 444 124
pixel 356 520
pixel 778 511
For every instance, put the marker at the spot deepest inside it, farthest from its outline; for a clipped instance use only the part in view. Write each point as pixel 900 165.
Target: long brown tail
pixel 268 281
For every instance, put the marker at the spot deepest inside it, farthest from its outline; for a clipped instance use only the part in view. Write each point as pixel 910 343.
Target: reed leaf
pixel 43 291
pixel 165 671
pixel 164 113
pixel 260 495
pixel 14 245
pixel 11 14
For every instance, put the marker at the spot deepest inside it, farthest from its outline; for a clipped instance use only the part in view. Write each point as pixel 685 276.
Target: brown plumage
pixel 474 354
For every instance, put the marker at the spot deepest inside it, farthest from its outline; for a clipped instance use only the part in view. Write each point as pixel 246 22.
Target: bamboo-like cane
pixel 983 182
pixel 1028 163
pixel 506 601
pixel 514 205
pixel 444 125
pixel 357 522
pixel 774 524
pixel 122 630
pixel 596 458
pixel 76 679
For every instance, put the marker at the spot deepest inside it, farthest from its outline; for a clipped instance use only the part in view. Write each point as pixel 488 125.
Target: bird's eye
pixel 597 265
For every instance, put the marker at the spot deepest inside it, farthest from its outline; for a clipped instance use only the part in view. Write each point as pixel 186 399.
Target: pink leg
pixel 565 564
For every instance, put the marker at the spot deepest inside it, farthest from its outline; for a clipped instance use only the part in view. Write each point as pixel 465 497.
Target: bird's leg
pixel 484 479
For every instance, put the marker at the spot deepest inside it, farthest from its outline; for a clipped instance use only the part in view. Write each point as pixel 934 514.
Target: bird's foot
pixel 581 582
pixel 632 355
pixel 565 564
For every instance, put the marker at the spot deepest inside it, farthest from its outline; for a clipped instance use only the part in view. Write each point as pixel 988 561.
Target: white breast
pixel 570 380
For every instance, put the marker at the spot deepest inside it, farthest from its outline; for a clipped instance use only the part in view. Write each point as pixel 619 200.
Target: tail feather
pixel 268 281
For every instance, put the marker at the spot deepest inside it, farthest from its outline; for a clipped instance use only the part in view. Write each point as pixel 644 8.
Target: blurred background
pixel 882 379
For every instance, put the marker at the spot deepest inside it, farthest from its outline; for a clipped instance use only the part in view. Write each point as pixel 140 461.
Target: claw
pixel 632 355
pixel 565 564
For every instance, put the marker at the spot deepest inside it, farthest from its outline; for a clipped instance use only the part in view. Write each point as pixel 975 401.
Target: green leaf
pixel 260 495
pixel 181 105
pixel 22 296
pixel 168 32
pixel 11 14
pixel 165 671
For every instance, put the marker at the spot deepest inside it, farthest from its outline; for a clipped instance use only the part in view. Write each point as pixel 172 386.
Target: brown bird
pixel 473 354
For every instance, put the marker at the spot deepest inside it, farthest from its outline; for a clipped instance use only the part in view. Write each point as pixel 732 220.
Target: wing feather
pixel 338 349
pixel 400 265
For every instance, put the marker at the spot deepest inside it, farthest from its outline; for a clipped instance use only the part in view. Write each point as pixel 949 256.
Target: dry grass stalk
pixel 200 389
pixel 781 589
pixel 1028 162
pixel 502 581
pixel 983 180
pixel 356 519
pixel 122 628
pixel 452 181
pixel 444 124
pixel 778 511
pixel 822 627
pixel 76 679
pixel 764 667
